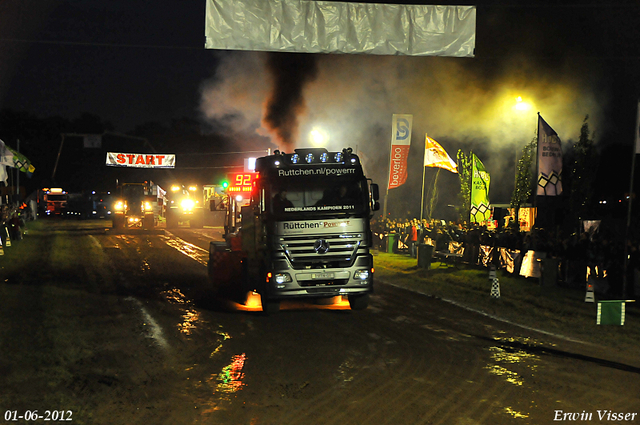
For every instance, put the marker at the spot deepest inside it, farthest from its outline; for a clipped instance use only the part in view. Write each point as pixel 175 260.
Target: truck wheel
pixel 359 302
pixel 269 306
pixel 197 221
pixel 214 284
pixel 172 219
pixel 117 222
pixel 148 221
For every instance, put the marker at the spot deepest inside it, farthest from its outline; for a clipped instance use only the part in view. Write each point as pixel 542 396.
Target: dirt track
pixel 119 333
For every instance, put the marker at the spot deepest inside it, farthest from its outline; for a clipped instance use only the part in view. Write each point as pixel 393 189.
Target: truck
pixel 53 201
pixel 304 232
pixel 184 204
pixel 133 206
pixel 89 204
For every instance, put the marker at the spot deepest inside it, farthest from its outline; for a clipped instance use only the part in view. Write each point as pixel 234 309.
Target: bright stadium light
pixel 521 105
pixel 318 137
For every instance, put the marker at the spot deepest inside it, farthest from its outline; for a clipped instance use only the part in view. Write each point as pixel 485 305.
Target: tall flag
pixel 480 179
pixel 436 156
pixel 6 158
pixel 400 144
pixel 22 163
pixel 549 160
pixel 11 158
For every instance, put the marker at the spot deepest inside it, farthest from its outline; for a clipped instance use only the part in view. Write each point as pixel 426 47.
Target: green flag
pixel 480 207
pixel 21 162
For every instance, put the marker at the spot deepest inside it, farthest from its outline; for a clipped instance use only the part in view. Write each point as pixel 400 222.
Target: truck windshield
pixel 318 197
pixel 56 197
pixel 132 191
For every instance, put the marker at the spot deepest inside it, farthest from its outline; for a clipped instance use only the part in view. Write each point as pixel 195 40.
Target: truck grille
pixel 319 252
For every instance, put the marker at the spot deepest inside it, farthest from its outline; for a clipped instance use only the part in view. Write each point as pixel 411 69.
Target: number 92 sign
pixel 241 182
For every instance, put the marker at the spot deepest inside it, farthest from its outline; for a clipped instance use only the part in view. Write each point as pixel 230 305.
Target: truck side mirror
pixel 375 192
pixel 376 206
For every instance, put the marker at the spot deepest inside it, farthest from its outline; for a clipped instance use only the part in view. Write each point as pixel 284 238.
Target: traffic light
pixel 225 184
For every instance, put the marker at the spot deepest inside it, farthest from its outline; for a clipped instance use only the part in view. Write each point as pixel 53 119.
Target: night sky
pixel 133 62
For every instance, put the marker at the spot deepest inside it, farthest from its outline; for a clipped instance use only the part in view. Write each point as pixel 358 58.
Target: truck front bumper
pixel 285 282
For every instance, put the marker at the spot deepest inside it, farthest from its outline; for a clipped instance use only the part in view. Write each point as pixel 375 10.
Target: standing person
pixel 413 237
pixel 15 228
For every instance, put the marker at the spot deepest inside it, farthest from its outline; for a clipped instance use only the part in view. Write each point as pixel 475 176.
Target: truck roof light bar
pixel 314 155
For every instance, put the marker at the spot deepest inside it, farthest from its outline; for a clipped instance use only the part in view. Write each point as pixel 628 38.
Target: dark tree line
pixel 80 169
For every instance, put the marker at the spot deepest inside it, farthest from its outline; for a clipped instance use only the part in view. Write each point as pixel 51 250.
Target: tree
pixel 464 173
pixel 583 173
pixel 524 178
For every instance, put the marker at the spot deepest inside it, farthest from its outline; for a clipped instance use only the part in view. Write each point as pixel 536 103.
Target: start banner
pixel 141 160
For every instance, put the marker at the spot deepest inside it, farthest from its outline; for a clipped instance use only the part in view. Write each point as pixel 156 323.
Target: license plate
pixel 322 275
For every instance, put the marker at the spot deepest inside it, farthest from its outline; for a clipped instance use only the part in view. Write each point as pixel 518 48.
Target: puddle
pixel 508 355
pixel 154 330
pixel 190 250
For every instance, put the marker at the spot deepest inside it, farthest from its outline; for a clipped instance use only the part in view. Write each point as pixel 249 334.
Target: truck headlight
pixel 362 274
pixel 118 206
pixel 281 278
pixel 187 204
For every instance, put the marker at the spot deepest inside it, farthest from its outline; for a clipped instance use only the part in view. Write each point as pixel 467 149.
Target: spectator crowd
pixel 596 253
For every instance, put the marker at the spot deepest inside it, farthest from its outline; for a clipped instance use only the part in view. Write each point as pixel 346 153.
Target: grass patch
pixel 523 301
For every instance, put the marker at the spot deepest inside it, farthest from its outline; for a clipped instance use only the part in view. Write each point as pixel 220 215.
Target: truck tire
pixel 117 222
pixel 197 220
pixel 359 302
pixel 214 284
pixel 172 219
pixel 269 306
pixel 224 270
pixel 148 221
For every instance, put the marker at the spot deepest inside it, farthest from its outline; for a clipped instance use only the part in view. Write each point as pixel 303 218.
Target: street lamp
pixel 521 105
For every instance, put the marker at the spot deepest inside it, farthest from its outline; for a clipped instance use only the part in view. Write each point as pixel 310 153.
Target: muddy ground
pixel 113 328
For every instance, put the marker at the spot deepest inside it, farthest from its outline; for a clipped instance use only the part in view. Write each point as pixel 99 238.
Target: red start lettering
pixel 139 159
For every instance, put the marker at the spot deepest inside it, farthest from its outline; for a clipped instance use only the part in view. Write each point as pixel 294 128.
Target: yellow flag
pixel 436 156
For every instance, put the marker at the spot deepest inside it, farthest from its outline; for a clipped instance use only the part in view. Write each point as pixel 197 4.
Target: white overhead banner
pixel 340 27
pixel 141 160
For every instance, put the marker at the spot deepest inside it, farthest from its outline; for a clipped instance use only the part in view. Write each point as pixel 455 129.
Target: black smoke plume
pixel 290 73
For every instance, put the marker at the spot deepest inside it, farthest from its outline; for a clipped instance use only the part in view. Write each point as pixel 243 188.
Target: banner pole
pixel 18 173
pixel 55 167
pixel 386 196
pixel 473 166
pixel 423 177
pixel 535 195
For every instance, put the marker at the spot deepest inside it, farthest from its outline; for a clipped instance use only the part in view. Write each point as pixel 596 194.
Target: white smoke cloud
pixel 453 100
